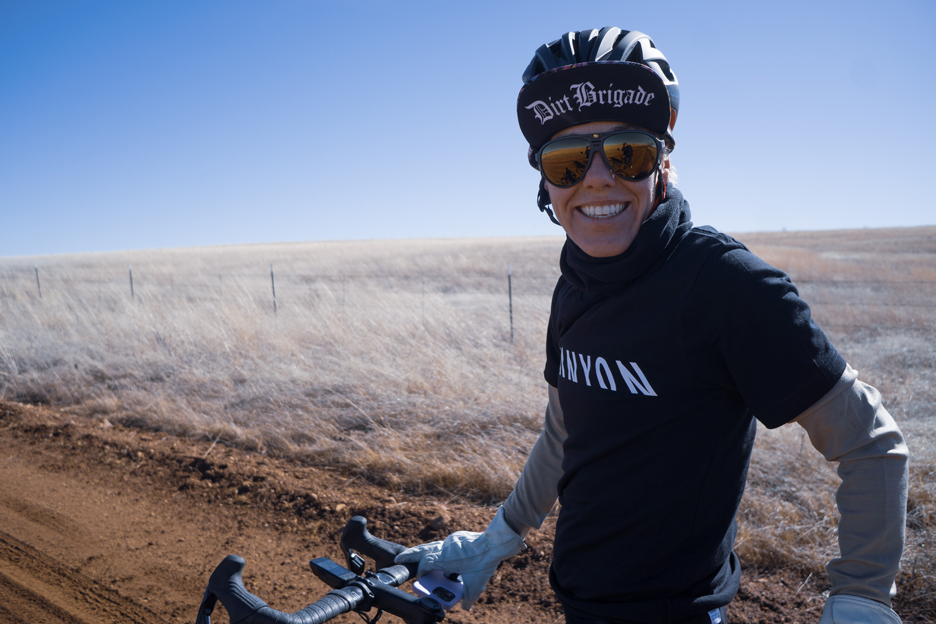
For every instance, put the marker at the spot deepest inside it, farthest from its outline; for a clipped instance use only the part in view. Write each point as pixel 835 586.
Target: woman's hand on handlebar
pixel 473 555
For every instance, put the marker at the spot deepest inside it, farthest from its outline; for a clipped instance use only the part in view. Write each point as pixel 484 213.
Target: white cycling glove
pixel 844 609
pixel 473 555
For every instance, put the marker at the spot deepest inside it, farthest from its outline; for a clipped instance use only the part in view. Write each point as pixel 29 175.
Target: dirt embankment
pixel 104 524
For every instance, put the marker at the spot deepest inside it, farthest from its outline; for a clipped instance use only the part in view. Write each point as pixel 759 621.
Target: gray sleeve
pixel 535 493
pixel 849 425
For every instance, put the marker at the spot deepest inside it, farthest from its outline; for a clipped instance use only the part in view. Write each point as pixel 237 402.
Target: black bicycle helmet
pixel 608 44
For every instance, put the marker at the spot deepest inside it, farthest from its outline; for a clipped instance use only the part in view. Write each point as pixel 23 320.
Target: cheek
pixel 641 190
pixel 558 196
pixel 646 195
pixel 650 185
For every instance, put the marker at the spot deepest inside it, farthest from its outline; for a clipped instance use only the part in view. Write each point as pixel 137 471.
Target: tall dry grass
pixel 874 293
pixel 379 357
pixel 393 360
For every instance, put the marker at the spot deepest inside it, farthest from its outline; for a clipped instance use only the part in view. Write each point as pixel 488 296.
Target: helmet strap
pixel 660 187
pixel 543 201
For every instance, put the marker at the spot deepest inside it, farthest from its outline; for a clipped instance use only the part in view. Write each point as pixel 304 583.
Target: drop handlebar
pixel 354 588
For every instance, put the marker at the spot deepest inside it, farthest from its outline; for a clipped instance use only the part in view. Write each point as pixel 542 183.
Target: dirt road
pixel 102 524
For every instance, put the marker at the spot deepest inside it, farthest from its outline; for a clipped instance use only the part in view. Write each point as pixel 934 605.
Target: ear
pixel 664 176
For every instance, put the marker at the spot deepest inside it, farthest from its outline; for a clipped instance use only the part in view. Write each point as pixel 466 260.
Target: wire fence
pixel 878 304
pixel 274 284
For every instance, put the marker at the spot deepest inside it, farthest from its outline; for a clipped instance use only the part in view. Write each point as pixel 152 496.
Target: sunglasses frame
pixel 596 142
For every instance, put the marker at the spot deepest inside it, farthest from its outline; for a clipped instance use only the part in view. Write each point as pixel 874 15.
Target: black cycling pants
pixel 704 618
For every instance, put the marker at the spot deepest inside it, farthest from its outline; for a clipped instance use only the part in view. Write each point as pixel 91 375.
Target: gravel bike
pixel 355 588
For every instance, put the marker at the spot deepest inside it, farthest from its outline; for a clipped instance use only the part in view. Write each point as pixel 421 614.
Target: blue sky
pixel 131 125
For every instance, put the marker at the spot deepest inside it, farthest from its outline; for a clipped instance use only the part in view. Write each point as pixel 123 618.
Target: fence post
pixel 37 282
pixel 273 286
pixel 130 269
pixel 510 297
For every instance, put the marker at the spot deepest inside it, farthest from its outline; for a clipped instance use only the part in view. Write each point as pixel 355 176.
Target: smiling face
pixel 603 213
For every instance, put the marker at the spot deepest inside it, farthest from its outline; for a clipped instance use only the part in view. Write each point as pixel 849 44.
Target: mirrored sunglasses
pixel 630 154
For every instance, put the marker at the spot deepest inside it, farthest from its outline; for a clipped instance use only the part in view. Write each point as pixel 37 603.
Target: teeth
pixel 602 212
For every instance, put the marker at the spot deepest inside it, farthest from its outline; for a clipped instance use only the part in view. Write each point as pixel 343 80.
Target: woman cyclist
pixel 666 344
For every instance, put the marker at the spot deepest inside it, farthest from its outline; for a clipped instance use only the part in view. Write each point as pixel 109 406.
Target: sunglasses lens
pixel 564 161
pixel 631 155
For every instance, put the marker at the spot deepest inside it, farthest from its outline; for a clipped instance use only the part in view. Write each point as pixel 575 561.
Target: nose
pixel 599 173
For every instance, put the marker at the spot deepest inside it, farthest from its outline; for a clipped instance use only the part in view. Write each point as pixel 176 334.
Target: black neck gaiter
pixel 665 227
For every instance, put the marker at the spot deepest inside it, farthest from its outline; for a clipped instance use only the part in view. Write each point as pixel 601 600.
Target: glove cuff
pixel 846 609
pixel 500 532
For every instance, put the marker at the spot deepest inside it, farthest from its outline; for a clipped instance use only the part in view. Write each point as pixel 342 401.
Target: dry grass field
pixel 393 361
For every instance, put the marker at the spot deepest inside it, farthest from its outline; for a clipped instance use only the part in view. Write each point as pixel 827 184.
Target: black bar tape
pixel 333 604
pixel 395 575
